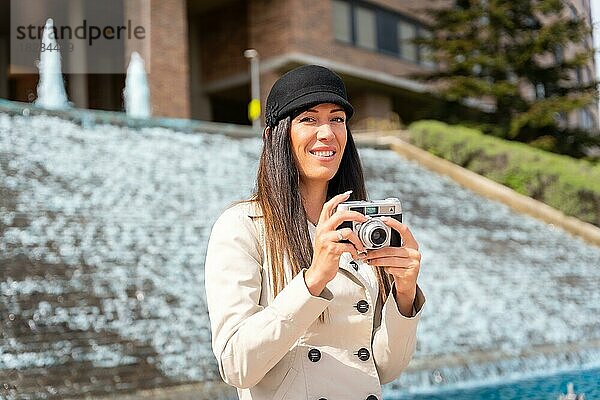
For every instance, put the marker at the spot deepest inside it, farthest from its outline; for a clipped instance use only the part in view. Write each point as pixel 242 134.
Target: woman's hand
pixel 401 262
pixel 327 248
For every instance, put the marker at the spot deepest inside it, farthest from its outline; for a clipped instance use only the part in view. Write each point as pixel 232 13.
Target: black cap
pixel 304 87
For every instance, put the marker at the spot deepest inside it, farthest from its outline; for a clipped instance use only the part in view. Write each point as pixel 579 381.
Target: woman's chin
pixel 324 176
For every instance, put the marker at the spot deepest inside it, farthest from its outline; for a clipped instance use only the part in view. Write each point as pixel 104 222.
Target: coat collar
pixel 253 209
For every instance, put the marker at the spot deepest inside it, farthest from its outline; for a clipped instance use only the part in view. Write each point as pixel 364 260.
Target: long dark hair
pixel 278 195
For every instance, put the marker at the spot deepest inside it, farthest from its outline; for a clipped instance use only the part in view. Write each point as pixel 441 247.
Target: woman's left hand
pixel 401 262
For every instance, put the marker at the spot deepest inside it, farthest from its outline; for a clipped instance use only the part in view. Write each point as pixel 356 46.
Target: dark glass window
pixel 387 32
pixel 365 25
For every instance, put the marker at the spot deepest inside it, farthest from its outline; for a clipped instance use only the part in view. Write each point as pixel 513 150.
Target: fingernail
pixel 384 218
pixel 347 193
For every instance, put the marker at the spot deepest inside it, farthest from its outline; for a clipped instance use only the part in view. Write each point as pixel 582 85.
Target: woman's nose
pixel 325 132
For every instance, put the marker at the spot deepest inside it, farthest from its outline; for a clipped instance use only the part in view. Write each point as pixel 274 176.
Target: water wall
pixel 103 233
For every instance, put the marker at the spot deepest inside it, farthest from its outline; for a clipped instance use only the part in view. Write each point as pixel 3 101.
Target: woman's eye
pixel 338 119
pixel 307 119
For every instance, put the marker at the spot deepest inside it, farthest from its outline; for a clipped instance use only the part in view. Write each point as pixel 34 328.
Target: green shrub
pixel 565 183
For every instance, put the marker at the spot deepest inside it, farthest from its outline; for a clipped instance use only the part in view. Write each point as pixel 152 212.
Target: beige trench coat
pixel 276 348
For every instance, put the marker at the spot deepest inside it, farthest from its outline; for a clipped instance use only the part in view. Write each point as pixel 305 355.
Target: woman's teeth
pixel 323 153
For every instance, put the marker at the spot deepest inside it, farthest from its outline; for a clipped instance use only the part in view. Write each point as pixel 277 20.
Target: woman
pixel 295 312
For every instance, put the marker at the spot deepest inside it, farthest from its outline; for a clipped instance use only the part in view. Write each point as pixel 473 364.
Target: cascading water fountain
pixel 103 233
pixel 136 93
pixel 51 88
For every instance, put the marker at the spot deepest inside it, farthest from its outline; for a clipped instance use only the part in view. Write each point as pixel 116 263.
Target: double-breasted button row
pixel 362 306
pixel 363 354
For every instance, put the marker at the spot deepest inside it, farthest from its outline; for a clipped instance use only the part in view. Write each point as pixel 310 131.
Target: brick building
pixel 198 69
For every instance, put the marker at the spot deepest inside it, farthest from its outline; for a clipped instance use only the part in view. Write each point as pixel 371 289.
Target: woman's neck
pixel 313 197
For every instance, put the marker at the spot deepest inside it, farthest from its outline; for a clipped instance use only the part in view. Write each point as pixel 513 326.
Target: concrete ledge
pixel 194 391
pixel 89 118
pixel 483 186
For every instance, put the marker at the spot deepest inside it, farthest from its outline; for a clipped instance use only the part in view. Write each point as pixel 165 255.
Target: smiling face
pixel 318 139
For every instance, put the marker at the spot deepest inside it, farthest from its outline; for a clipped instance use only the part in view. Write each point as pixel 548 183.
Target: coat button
pixel 363 354
pixel 362 306
pixel 314 355
pixel 372 397
pixel 354 265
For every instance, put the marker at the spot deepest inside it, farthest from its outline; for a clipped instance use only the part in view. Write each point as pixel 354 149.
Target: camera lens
pixel 378 236
pixel 373 234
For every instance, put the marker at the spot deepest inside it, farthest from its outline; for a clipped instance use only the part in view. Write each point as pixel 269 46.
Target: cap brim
pixel 312 99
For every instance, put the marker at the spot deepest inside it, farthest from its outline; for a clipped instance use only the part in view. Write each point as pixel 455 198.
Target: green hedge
pixel 565 183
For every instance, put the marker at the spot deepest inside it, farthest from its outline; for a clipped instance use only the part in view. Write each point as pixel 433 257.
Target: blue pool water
pixel 547 387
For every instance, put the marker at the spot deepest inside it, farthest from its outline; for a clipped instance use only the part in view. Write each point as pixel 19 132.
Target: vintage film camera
pixel 373 233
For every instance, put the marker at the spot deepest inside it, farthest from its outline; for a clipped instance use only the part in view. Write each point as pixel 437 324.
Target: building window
pixel 579 76
pixel 559 54
pixel 586 120
pixel 561 119
pixel 367 26
pixel 364 22
pixel 574 13
pixel 587 40
pixel 426 57
pixel 342 23
pixel 589 75
pixel 407 32
pixel 387 33
pixel 540 91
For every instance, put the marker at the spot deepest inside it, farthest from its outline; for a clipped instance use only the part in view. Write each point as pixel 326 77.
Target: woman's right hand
pixel 327 248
